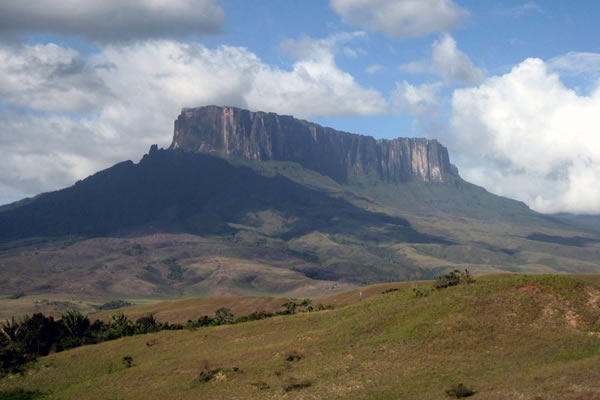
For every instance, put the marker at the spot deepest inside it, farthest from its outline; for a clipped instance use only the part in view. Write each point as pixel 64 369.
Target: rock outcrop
pixel 230 132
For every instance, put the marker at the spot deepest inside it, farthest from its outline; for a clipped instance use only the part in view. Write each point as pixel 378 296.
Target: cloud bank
pixel 400 18
pixel 527 136
pixel 111 20
pixel 64 116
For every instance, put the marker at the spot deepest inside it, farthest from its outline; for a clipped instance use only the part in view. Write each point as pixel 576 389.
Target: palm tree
pixel 11 329
pixel 76 323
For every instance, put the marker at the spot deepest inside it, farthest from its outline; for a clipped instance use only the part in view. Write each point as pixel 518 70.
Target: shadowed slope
pixel 182 192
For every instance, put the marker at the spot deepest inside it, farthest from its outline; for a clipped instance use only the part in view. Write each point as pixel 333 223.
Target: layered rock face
pixel 230 132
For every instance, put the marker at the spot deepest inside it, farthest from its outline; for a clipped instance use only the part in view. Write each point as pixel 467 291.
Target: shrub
pixel 127 361
pixel 459 391
pixel 454 278
pixel 293 356
pixel 421 293
pixel 295 385
pixel 20 394
pixel 114 304
pixel 223 316
pixel 255 316
pixel 146 324
pixel 261 385
pixel 206 374
pixel 290 307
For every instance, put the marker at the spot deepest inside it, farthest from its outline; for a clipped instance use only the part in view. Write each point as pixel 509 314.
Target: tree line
pixel 38 335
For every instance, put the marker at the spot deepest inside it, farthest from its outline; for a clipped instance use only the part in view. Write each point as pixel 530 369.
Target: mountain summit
pixel 231 133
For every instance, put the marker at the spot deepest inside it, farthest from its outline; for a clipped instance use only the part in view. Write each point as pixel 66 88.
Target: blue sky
pixel 510 87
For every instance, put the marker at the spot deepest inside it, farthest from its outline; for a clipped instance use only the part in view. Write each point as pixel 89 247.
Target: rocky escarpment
pixel 230 132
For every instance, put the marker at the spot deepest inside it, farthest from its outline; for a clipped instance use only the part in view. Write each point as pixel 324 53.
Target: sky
pixel 510 87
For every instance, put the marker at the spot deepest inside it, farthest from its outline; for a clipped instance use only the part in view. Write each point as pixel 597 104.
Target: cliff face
pixel 230 132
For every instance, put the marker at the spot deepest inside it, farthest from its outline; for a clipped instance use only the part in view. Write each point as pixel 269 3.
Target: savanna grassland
pixel 503 337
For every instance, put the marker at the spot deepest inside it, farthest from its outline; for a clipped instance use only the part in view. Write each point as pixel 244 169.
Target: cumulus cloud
pixel 49 78
pixel 410 99
pixel 528 136
pixel 400 18
pixel 579 65
pixel 111 20
pixel 61 126
pixel 448 61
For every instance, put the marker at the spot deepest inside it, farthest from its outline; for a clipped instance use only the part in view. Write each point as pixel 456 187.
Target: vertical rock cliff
pixel 230 132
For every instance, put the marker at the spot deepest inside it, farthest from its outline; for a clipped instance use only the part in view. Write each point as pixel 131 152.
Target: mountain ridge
pixel 230 132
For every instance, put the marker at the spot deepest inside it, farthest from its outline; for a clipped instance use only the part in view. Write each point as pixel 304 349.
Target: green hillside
pixel 515 337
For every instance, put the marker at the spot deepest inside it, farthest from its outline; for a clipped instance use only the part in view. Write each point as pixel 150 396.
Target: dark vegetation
pixel 292 384
pixel 460 391
pixel 576 241
pixel 127 361
pixel 175 270
pixel 114 304
pixel 20 394
pixel 453 278
pixel 39 335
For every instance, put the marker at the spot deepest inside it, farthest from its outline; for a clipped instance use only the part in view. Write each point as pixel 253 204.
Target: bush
pixel 459 391
pixel 127 361
pixel 294 385
pixel 20 394
pixel 293 356
pixel 454 278
pixel 255 316
pixel 146 324
pixel 223 316
pixel 206 374
pixel 114 304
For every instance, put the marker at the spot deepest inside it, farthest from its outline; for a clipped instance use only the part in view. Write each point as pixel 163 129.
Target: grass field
pixel 506 337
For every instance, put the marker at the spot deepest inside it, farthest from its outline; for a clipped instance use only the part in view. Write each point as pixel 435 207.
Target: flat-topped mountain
pixel 250 202
pixel 230 132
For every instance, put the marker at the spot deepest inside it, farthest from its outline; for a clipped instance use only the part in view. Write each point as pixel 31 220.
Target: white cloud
pixel 400 18
pixel 521 9
pixel 374 68
pixel 528 136
pixel 576 63
pixel 448 61
pixel 309 48
pixel 111 20
pixel 410 99
pixel 350 52
pixel 146 85
pixel 49 78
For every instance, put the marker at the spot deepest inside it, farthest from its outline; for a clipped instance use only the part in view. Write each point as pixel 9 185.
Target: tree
pixel 290 307
pixel 146 324
pixel 76 323
pixel 223 316
pixel 10 329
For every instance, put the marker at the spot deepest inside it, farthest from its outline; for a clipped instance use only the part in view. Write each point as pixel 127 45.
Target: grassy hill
pixel 505 337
